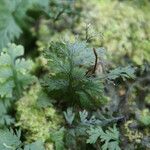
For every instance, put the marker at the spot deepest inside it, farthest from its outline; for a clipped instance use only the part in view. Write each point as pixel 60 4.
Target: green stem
pixel 16 81
pixel 15 77
pixel 71 91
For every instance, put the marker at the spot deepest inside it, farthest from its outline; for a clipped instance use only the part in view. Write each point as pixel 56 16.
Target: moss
pixel 125 29
pixel 37 122
pixel 143 117
pixel 121 27
pixel 147 99
pixel 133 136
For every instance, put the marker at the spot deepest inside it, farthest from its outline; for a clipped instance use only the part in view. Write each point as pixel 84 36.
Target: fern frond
pixel 68 63
pixel 9 140
pixel 123 72
pixel 69 116
pixel 5 118
pixel 37 145
pixel 57 138
pixel 110 137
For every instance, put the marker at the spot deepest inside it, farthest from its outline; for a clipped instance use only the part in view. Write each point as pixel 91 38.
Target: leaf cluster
pixel 12 12
pixel 110 137
pixel 68 64
pixel 14 78
pixel 11 140
pixel 67 80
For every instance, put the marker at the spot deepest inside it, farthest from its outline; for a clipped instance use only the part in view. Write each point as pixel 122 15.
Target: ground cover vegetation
pixel 74 74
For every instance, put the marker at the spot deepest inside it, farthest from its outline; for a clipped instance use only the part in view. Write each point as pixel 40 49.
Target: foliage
pixel 14 77
pixel 5 117
pixel 12 13
pixel 14 71
pixel 38 145
pixel 64 15
pixel 69 115
pixel 64 90
pixel 9 140
pixel 68 80
pixel 110 19
pixel 110 137
pixel 57 138
pixel 126 72
pixel 120 26
pixel 87 128
pixel 68 65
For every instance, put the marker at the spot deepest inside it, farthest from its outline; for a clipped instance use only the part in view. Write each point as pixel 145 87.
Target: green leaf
pixel 69 115
pixel 5 118
pixel 12 11
pixel 38 145
pixel 67 80
pixel 94 134
pixel 57 137
pixel 110 137
pixel 14 71
pixel 126 72
pixel 83 116
pixel 9 140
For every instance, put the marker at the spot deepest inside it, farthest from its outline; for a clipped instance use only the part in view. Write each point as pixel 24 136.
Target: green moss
pixel 125 28
pixel 147 99
pixel 37 122
pixel 143 117
pixel 133 136
pixel 122 27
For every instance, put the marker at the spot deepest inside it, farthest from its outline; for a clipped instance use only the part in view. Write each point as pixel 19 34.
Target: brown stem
pixel 96 59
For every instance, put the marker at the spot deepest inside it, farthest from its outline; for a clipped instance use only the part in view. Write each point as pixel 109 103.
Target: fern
pixel 12 12
pixel 14 78
pixel 9 30
pixel 94 127
pixel 14 71
pixel 102 120
pixel 67 79
pixel 69 116
pixel 68 63
pixel 110 137
pixel 123 72
pixel 91 121
pixel 5 118
pixel 9 140
pixel 57 138
pixel 37 145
